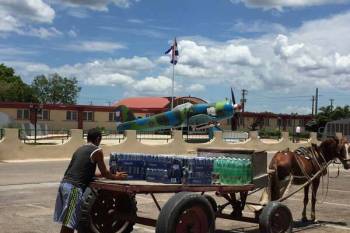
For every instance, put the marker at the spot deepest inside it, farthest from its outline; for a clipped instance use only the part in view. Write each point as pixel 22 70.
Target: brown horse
pixel 304 163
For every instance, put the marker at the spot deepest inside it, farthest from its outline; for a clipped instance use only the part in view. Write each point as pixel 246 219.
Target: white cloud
pixel 20 16
pixel 280 4
pixel 314 55
pixel 151 85
pixel 110 80
pixel 72 33
pixel 283 49
pixel 196 88
pixel 100 5
pixel 17 16
pixel 258 26
pixel 296 108
pixel 95 46
pixel 41 32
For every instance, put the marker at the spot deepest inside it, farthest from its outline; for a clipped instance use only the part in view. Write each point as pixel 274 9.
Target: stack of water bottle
pixel 163 168
pixel 182 169
pixel 154 168
pixel 133 164
pixel 197 170
pixel 229 170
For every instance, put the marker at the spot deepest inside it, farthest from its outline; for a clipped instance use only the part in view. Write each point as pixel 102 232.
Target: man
pixel 297 131
pixel 77 177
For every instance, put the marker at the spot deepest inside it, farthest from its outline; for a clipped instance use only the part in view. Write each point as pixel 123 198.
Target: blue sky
pixel 280 51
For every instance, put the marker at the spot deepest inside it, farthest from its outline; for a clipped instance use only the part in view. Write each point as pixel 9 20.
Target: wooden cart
pixel 110 207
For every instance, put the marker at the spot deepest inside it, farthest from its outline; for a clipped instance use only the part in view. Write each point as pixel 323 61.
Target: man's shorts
pixel 68 201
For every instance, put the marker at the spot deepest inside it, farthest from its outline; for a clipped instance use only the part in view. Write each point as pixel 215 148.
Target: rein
pixel 304 185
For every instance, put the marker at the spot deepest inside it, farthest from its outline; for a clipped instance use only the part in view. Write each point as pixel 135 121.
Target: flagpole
pixel 172 89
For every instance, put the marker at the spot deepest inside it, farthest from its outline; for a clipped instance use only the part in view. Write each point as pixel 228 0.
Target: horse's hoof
pixel 304 219
pixel 315 221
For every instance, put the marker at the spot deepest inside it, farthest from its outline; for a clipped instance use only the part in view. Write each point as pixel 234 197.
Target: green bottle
pixel 249 171
pixel 239 171
pixel 234 171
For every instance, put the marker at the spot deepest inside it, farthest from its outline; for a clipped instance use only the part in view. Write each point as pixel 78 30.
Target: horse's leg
pixel 315 185
pixel 306 201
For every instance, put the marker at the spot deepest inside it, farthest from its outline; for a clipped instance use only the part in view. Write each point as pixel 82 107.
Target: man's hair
pixel 93 134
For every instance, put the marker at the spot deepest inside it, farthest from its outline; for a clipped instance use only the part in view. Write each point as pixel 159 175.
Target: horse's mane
pixel 329 148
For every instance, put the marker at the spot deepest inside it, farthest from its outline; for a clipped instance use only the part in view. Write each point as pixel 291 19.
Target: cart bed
pixel 141 186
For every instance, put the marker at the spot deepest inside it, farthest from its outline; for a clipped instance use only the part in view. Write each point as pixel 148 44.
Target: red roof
pixel 144 102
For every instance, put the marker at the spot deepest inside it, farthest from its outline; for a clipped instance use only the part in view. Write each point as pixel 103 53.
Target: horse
pixel 302 164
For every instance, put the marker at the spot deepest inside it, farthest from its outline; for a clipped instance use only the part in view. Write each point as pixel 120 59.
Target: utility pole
pixel 244 100
pixel 316 103
pixel 313 105
pixel 331 103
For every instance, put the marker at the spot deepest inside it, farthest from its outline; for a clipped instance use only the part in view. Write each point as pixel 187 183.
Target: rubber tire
pixel 267 215
pixel 89 198
pixel 173 208
pixel 212 201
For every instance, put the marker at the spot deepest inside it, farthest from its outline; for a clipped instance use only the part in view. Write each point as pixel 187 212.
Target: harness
pixel 317 159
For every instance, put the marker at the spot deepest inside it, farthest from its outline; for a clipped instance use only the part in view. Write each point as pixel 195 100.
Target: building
pixel 62 116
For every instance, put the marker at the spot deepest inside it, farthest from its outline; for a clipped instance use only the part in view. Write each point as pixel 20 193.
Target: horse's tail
pixel 278 177
pixel 273 181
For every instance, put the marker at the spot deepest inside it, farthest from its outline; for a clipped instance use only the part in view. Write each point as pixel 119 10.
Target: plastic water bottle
pixel 249 171
pixel 241 171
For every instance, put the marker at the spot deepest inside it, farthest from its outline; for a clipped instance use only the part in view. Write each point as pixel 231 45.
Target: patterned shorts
pixel 68 201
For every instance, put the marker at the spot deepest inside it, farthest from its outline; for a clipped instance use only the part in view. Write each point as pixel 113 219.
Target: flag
pixel 174 52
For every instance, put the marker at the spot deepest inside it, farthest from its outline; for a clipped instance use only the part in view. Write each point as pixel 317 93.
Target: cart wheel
pixel 275 218
pixel 186 212
pixel 212 202
pixel 107 212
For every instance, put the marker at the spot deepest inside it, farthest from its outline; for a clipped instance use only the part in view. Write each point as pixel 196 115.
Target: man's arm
pixel 98 157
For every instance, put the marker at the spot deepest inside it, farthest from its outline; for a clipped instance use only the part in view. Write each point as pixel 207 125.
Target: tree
pixel 326 114
pixel 56 89
pixel 12 88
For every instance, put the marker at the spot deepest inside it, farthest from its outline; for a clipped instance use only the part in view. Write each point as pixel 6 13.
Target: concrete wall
pixel 11 148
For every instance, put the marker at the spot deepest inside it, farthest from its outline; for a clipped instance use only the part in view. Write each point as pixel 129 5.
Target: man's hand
pixel 121 175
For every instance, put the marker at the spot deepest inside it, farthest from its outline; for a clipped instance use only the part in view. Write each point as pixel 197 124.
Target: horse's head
pixel 333 148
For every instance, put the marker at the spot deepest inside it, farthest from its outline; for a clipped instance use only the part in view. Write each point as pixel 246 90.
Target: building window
pixel 44 115
pixel 112 116
pixel 23 114
pixel 301 122
pixel 88 116
pixel 266 121
pixel 71 116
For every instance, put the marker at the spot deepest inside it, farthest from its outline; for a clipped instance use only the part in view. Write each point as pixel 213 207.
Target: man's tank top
pixel 81 169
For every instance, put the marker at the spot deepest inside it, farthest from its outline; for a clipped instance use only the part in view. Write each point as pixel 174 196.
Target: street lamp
pixel 279 121
pixel 35 108
pixel 293 118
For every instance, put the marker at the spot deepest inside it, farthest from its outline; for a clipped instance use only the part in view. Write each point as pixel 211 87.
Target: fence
pixel 43 136
pixel 108 135
pixel 234 136
pixel 196 136
pixel 150 135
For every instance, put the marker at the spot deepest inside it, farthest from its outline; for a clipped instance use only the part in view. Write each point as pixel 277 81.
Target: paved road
pixel 28 191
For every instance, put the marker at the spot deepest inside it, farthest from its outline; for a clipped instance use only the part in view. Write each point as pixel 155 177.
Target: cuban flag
pixel 174 52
